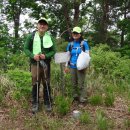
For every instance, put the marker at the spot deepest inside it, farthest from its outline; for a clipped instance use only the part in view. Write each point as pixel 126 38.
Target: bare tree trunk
pixel 123 31
pixel 76 14
pixel 104 22
pixel 16 7
pixel 16 25
pixel 67 18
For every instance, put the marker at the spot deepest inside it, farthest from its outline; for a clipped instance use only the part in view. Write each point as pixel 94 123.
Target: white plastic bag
pixel 83 60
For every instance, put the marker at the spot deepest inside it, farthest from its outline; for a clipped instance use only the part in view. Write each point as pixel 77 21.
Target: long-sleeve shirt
pixel 28 48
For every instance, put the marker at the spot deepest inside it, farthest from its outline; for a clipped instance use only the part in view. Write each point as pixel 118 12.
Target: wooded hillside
pixel 106 26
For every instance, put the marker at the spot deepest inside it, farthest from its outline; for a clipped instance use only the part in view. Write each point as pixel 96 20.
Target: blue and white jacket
pixel 76 50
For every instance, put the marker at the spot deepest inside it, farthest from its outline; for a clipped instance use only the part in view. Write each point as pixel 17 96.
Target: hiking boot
pixel 75 98
pixel 35 108
pixel 82 100
pixel 48 107
pixel 35 99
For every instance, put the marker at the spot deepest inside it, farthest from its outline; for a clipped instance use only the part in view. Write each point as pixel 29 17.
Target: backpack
pixel 81 45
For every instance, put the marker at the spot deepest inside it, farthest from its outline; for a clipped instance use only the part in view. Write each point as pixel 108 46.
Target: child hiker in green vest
pixel 40 48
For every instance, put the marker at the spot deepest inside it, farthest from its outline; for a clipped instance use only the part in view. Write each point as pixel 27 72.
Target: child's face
pixel 76 36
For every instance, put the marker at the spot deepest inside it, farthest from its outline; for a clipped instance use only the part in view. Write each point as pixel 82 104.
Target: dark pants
pixel 44 77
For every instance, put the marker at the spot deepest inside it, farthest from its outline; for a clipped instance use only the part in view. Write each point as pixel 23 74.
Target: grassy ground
pixel 97 114
pixel 108 106
pixel 16 117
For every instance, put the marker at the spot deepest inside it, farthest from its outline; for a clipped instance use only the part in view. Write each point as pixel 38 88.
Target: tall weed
pixel 62 105
pixel 6 85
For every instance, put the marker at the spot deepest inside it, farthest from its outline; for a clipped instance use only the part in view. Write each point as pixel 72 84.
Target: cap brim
pixel 42 20
pixel 75 32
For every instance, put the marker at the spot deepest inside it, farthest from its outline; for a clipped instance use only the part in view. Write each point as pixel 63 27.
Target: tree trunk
pixel 67 18
pixel 104 22
pixel 16 7
pixel 16 26
pixel 76 14
pixel 123 31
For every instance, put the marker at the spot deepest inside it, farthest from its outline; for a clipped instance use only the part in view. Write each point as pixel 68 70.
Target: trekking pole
pixel 37 81
pixel 44 68
pixel 47 87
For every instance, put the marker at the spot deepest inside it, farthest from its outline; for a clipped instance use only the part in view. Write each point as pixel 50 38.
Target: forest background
pixel 106 26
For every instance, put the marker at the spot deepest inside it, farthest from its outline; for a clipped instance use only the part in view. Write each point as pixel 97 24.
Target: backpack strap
pixel 81 45
pixel 32 36
pixel 71 46
pixel 31 40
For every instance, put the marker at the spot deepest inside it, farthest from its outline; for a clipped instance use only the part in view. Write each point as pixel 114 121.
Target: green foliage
pixel 122 69
pixel 56 74
pixel 1 96
pixel 96 100
pixel 124 24
pixel 110 63
pixel 109 99
pixel 6 85
pixel 127 124
pixel 101 120
pixel 61 45
pixel 125 50
pixel 103 59
pixel 13 113
pixel 18 61
pixel 129 109
pixel 60 80
pixel 62 105
pixel 109 96
pixel 22 81
pixel 85 118
pixel 68 85
pixel 16 95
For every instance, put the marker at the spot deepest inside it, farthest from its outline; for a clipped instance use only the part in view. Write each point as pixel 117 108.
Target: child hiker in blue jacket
pixel 75 47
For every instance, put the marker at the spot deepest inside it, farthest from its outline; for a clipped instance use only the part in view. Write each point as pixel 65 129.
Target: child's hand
pixel 66 70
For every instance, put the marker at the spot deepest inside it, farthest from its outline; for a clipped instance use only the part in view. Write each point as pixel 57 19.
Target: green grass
pixel 85 118
pixel 96 99
pixel 15 89
pixel 109 99
pixel 102 123
pixel 62 105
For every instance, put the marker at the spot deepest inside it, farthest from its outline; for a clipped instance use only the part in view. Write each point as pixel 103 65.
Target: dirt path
pixel 16 118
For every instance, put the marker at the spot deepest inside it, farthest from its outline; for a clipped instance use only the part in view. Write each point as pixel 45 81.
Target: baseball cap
pixel 43 20
pixel 77 29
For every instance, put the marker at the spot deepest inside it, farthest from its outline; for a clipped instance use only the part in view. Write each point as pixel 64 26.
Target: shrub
pixel 104 60
pixel 22 80
pixel 62 105
pixel 101 120
pixel 127 124
pixel 6 85
pixel 111 64
pixel 96 99
pixel 122 69
pixel 85 118
pixel 14 62
pixel 109 99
